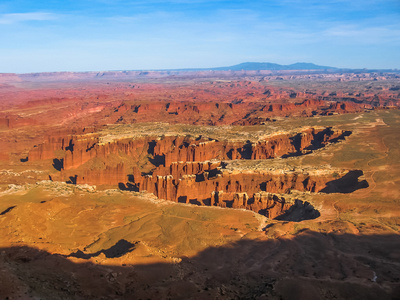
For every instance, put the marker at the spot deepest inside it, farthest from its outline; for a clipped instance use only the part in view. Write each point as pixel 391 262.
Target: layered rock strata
pixel 189 169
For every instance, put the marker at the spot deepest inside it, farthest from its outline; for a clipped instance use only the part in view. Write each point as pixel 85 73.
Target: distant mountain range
pixel 240 69
pixel 267 66
pixel 255 66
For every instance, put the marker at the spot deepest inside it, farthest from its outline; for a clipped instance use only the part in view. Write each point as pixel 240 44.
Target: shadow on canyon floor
pixel 347 184
pixel 316 143
pixel 300 211
pixel 7 210
pixel 310 266
pixel 119 249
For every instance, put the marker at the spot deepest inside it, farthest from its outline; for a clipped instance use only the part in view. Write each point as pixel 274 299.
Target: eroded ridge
pixel 189 169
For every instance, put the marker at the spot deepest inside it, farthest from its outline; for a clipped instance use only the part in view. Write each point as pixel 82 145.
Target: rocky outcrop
pixel 46 150
pixel 168 152
pixel 168 149
pixel 74 145
pixel 247 190
pixel 220 188
pixel 107 176
pixel 189 169
pixel 180 168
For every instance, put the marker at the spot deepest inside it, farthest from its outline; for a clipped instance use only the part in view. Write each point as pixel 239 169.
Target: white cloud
pixel 151 17
pixel 25 17
pixel 367 35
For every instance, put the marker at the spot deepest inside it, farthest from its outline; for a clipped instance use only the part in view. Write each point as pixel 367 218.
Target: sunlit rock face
pixel 189 169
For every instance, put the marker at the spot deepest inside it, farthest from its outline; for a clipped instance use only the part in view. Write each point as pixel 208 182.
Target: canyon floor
pixel 71 228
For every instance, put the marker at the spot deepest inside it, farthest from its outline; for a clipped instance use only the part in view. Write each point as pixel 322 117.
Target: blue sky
pixel 94 35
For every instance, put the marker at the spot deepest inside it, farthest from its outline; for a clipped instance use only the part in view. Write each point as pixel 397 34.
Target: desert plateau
pixel 200 185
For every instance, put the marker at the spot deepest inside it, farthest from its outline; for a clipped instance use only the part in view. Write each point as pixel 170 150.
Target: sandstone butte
pixel 248 185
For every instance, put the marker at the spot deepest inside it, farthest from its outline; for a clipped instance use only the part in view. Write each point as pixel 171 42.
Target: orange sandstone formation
pixel 189 170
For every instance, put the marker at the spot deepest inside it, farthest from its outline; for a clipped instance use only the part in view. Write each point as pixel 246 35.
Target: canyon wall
pixel 221 113
pixel 189 169
pixel 246 190
pixel 165 150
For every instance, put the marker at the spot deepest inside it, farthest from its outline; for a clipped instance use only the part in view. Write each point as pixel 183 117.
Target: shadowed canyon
pixel 199 185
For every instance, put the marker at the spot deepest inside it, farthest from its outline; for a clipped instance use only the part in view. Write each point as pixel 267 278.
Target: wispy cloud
pixel 159 16
pixel 364 34
pixel 25 17
pixel 140 34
